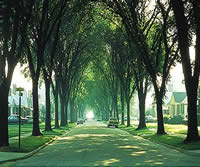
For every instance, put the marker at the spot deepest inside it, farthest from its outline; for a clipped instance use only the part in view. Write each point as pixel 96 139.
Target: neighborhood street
pixel 93 144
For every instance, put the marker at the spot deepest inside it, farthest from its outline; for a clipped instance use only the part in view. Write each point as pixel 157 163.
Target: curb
pixel 29 154
pixel 187 152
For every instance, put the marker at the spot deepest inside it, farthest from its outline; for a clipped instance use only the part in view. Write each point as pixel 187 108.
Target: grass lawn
pixel 13 129
pixel 31 143
pixel 28 144
pixel 174 137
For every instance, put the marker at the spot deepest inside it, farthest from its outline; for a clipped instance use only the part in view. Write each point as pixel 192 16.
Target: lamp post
pixel 20 90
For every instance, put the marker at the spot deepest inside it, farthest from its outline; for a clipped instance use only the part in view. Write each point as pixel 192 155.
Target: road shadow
pixel 101 146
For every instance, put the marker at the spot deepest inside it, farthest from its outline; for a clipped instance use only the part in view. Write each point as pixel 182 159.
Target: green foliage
pixel 177 119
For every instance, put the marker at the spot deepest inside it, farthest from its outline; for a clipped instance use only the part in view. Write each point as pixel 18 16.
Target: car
pixel 30 120
pixel 150 118
pixel 14 119
pixel 80 121
pixel 113 122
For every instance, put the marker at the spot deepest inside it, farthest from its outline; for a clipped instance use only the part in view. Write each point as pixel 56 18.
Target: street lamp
pixel 20 90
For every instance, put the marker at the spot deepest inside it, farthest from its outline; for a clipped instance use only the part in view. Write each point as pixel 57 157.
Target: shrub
pixel 178 119
pixel 166 118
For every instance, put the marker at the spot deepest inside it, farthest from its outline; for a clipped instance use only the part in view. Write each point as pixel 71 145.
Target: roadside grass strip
pixel 175 136
pixel 13 130
pixel 31 143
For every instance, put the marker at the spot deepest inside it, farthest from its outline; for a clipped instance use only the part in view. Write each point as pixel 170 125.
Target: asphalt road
pixel 93 144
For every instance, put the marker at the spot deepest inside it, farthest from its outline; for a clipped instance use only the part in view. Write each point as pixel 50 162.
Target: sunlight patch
pixel 66 138
pixel 110 161
pixel 130 147
pixel 158 163
pixel 138 153
pixel 148 161
pixel 92 135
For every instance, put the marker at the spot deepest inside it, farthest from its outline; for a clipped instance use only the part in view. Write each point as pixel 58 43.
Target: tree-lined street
pixel 93 144
pixel 100 59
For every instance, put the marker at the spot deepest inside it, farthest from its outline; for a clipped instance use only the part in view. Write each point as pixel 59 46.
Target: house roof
pixel 179 96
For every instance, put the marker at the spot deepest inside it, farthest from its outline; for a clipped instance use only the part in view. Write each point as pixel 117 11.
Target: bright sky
pixel 90 115
pixel 19 79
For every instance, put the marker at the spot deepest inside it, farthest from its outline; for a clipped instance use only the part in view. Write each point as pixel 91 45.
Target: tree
pixel 47 75
pixel 142 84
pixel 45 16
pixel 123 58
pixel 14 18
pixel 98 96
pixel 191 69
pixel 72 45
pixel 153 40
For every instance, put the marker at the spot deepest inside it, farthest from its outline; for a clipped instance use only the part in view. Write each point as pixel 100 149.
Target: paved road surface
pixel 93 144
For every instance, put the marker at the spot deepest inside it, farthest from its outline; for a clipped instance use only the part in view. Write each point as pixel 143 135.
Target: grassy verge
pixel 174 137
pixel 31 143
pixel 13 130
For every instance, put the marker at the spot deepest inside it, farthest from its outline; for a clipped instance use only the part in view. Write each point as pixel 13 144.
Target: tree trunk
pixel 191 74
pixel 142 98
pixel 56 113
pixel 122 103
pixel 160 122
pixel 56 106
pixel 48 106
pixel 4 91
pixel 116 98
pixel 128 113
pixel 66 112
pixel 62 123
pixel 192 133
pixel 36 127
pixel 110 111
pixel 71 112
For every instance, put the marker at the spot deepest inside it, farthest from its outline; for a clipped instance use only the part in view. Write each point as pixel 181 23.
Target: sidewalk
pixel 13 156
pixel 8 156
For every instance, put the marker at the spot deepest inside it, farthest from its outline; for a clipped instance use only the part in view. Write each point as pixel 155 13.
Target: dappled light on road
pixel 129 147
pixel 138 153
pixel 66 138
pixel 92 145
pixel 110 161
pixel 93 135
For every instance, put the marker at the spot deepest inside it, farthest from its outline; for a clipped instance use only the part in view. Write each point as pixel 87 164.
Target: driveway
pixel 93 144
